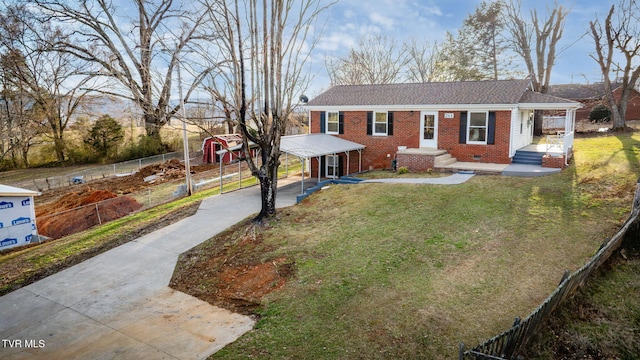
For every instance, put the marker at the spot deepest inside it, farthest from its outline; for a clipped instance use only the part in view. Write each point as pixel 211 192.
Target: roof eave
pixel 550 106
pixel 440 107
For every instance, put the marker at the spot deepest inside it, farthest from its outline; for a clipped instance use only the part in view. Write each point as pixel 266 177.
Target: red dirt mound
pixel 75 212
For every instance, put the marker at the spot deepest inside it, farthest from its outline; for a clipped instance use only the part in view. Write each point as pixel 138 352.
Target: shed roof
pixel 313 145
pixel 6 190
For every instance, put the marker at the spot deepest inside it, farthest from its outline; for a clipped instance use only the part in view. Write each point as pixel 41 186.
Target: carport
pixel 310 146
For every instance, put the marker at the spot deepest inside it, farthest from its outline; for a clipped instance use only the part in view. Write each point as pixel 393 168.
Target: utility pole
pixel 185 141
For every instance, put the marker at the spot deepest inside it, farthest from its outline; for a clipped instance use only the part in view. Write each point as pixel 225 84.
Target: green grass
pixel 19 267
pixel 409 271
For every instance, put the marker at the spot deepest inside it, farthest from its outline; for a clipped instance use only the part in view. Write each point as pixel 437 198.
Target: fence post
pixel 636 198
pixel 149 192
pixel 98 213
pixel 461 351
pixel 564 276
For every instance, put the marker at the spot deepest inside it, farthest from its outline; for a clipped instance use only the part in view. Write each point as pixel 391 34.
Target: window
pixel 478 122
pixel 333 123
pixel 332 166
pixel 380 123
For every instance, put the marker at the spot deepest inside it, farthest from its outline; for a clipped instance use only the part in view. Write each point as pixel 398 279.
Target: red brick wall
pixel 416 162
pixel 406 132
pixel 449 139
pixel 633 106
pixel 549 161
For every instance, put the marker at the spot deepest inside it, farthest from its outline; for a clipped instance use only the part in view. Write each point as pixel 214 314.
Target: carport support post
pixel 221 176
pixel 348 165
pixel 302 186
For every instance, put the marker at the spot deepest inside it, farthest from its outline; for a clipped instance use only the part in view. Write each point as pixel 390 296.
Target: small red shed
pixel 219 142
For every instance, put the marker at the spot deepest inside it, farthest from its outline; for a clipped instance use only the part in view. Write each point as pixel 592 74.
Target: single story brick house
pixel 591 95
pixel 424 125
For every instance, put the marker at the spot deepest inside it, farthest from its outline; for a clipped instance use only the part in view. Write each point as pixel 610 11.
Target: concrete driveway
pixel 117 305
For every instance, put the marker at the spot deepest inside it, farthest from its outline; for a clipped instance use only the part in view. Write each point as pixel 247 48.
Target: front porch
pixel 548 154
pixel 428 159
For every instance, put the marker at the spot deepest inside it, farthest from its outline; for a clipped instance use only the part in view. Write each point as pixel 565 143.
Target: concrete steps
pixel 527 157
pixel 443 160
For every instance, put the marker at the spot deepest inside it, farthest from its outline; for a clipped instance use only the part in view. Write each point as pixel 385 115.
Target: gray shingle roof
pixel 433 93
pixel 579 91
pixel 531 97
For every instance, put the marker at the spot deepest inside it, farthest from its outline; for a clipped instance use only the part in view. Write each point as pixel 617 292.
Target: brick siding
pixel 416 162
pixel 549 161
pixel 449 139
pixel 381 150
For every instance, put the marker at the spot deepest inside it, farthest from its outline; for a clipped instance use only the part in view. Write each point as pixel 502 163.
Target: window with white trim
pixel 333 122
pixel 380 123
pixel 477 127
pixel 332 163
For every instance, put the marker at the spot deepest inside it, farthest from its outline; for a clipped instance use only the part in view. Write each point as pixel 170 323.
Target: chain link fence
pixel 223 179
pixel 98 172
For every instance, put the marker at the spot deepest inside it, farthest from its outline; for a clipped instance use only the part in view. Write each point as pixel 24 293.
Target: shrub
pixel 600 113
pixel 403 170
pixel 146 146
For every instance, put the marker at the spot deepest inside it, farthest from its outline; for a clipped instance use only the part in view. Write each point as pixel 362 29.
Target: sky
pixel 345 22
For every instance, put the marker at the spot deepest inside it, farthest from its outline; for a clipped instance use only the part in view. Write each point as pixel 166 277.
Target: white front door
pixel 429 129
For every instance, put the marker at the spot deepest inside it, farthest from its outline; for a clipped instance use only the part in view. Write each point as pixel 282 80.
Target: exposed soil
pixel 235 275
pixel 18 272
pixel 71 204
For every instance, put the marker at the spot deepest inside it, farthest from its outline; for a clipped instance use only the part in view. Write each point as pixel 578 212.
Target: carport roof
pixel 314 145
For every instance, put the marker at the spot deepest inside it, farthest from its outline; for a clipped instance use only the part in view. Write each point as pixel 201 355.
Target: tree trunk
pixel 58 144
pixel 538 118
pixel 152 128
pixel 268 190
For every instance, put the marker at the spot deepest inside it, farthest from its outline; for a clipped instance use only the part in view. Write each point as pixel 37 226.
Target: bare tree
pixel 422 62
pixel 128 48
pixel 265 44
pixel 52 81
pixel 376 60
pixel 621 32
pixel 536 42
pixel 21 119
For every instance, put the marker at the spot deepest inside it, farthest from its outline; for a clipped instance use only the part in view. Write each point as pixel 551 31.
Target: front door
pixel 429 129
pixel 332 170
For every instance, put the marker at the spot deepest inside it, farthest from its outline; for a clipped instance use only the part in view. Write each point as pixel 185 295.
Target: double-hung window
pixel 477 128
pixel 380 125
pixel 333 122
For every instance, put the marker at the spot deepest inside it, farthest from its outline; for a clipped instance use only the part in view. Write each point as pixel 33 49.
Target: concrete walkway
pixel 117 305
pixel 457 178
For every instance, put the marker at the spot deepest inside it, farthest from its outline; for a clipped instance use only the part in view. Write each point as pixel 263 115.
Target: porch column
pixel 348 167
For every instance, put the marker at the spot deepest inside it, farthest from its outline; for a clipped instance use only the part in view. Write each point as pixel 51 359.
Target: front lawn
pixel 409 271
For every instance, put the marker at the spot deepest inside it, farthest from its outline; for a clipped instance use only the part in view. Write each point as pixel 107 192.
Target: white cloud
pixel 385 21
pixel 336 41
